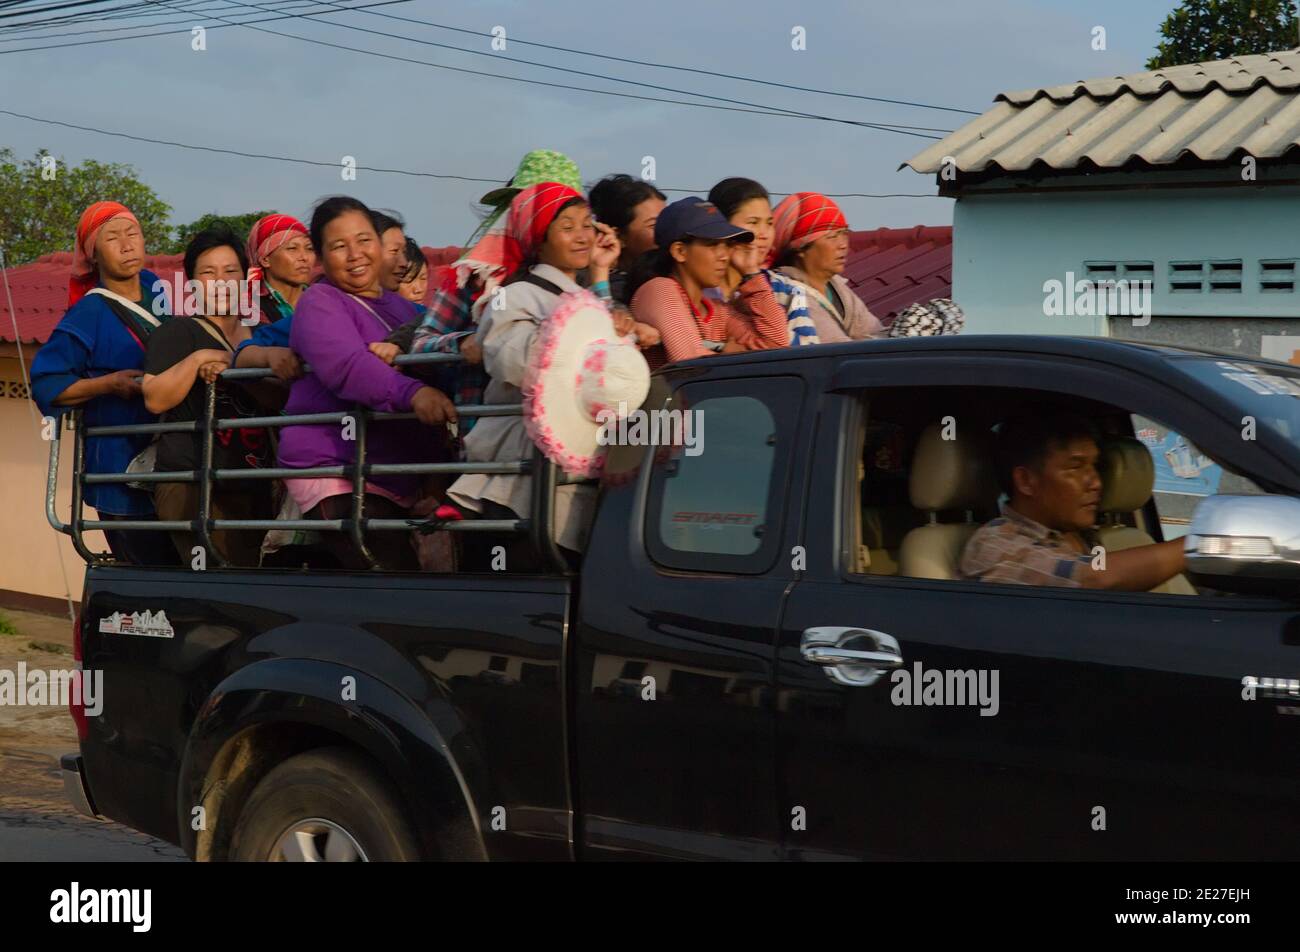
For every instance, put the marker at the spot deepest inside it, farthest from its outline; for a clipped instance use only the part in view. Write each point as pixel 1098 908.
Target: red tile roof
pixel 890 268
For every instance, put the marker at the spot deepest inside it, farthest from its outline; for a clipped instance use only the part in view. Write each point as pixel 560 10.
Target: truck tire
pixel 326 805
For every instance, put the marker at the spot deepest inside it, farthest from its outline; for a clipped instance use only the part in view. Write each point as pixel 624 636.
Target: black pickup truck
pixel 767 652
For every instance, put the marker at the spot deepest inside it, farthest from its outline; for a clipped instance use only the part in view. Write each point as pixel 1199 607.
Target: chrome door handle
pixel 819 654
pixel 854 657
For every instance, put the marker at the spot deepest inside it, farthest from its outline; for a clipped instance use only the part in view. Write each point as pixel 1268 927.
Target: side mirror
pixel 1246 544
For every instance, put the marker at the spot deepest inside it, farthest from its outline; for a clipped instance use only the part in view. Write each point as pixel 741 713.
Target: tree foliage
pixel 241 225
pixel 1201 30
pixel 41 200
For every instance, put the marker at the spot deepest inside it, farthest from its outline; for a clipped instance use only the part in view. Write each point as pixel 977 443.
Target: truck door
pixel 929 717
pixel 681 591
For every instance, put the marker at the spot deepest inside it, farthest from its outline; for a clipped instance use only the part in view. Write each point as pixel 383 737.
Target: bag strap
pixel 542 283
pixel 373 313
pixel 135 308
pixel 213 332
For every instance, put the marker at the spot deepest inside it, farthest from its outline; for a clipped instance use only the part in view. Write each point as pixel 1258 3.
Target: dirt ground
pixel 36 820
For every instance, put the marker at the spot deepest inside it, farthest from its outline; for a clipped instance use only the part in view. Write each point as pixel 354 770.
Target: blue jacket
pixel 90 341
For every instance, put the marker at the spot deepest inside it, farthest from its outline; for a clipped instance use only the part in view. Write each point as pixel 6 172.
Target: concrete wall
pixel 34 559
pixel 1005 246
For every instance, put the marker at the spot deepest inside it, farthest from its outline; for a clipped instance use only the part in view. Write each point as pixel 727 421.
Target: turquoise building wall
pixel 1006 245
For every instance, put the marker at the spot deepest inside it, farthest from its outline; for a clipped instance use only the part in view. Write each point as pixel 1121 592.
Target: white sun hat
pixel 582 376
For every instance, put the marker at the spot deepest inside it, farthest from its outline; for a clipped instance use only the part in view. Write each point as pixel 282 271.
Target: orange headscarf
pixel 802 218
pixel 85 271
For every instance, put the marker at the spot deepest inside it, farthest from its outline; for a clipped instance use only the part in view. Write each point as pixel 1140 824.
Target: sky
pixel 253 92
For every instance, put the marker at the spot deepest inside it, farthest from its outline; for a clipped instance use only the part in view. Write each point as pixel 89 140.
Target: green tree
pixel 41 199
pixel 241 225
pixel 1201 30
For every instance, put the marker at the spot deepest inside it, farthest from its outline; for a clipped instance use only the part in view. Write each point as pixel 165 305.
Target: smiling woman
pixel 336 324
pixel 182 358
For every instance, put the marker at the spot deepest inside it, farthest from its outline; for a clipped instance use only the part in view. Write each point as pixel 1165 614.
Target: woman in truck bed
pixel 183 356
pixel 550 236
pixel 335 323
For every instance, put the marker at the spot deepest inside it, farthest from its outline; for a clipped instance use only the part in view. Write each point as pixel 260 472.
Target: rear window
pixel 716 504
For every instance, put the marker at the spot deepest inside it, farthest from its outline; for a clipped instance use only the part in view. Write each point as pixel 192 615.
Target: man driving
pixel 1048 468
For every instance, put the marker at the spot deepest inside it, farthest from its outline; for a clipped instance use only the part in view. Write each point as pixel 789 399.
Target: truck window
pixel 715 501
pixel 916 523
pixel 1184 476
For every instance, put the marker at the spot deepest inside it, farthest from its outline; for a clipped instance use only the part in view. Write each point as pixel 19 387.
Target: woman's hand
pixel 471 350
pixel 432 408
pixel 211 370
pixel 124 384
pixel 646 335
pixel 385 352
pixel 284 363
pixel 210 363
pixel 605 253
pixel 624 322
pixel 745 258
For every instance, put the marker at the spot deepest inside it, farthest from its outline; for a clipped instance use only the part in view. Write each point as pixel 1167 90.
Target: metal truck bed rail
pixel 546 477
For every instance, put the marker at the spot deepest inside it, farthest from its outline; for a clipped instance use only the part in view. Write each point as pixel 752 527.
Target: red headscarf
pixel 267 235
pixel 85 271
pixel 802 218
pixel 515 239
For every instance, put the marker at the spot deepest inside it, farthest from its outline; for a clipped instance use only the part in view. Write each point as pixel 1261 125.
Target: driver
pixel 1048 469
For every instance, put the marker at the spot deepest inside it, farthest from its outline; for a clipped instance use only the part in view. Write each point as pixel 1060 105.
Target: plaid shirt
pixel 1016 550
pixel 447 322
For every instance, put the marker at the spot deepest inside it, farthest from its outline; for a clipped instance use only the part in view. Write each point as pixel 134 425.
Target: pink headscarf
pixel 802 218
pixel 268 234
pixel 85 271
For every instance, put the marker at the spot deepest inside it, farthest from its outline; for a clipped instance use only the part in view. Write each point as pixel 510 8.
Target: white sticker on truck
pixel 146 623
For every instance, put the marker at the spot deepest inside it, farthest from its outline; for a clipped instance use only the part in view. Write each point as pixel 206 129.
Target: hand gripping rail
pixel 545 476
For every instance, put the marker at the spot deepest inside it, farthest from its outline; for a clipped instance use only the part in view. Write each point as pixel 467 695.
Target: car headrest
pixel 1128 474
pixel 951 474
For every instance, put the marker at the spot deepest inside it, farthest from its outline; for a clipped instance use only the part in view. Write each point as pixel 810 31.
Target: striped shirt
pixel 663 303
pixel 1016 550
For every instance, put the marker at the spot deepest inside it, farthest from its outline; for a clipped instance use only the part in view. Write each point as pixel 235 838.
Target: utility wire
pixel 687 69
pixel 405 59
pixel 577 72
pixel 141 36
pixel 12 38
pixel 368 168
pixel 142 11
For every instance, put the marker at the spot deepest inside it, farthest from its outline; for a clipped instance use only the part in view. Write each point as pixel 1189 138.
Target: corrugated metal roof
pixel 1210 111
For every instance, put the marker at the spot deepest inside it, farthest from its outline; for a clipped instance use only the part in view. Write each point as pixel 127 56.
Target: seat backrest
pixel 1128 477
pixel 883 531
pixel 946 474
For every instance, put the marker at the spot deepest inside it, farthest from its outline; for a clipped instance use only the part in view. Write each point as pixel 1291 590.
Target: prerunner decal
pixel 146 623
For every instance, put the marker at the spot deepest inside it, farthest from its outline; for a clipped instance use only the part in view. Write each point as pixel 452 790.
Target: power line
pixel 539 82
pixel 459 69
pixel 141 36
pixel 6 37
pixel 368 168
pixel 56 6
pixel 687 69
pixel 144 10
pixel 579 72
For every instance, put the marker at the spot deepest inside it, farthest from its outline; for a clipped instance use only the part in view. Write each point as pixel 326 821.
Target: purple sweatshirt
pixel 331 330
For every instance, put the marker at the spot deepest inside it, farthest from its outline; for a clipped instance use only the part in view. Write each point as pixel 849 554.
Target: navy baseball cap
pixel 695 218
